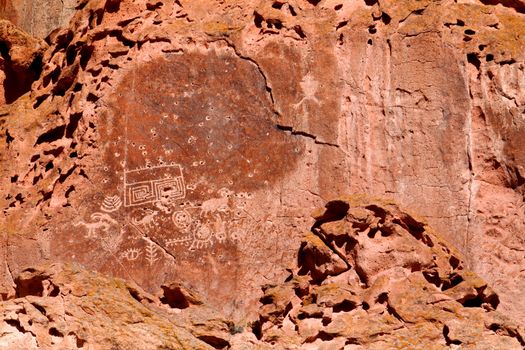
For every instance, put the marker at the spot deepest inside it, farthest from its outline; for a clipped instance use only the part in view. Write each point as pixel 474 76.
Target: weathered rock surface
pixel 368 276
pixel 38 18
pixel 402 287
pixel 67 307
pixel 191 139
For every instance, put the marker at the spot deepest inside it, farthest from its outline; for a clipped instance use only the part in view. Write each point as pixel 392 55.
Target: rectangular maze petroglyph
pixel 147 185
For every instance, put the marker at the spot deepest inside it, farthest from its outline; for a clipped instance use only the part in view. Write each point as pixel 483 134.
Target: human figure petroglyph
pixel 101 221
pixel 309 86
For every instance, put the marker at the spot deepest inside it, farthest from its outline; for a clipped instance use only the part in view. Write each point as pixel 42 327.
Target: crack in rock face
pixel 190 156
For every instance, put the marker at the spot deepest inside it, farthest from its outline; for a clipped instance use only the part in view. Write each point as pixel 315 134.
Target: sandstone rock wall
pixel 192 139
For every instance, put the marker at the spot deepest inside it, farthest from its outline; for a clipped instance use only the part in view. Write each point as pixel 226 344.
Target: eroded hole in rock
pixel 314 2
pixel 32 286
pixel 492 300
pixel 73 124
pixel 85 55
pixel 382 298
pixel 446 332
pixel 55 152
pixel 152 6
pixel 341 25
pixel 453 280
pixel 372 233
pixel 473 59
pixel 345 306
pixel 216 342
pixel 49 166
pixel 71 54
pixel 325 336
pixel 299 31
pixel 18 79
pixel 517 5
pixel 52 135
pixel 135 294
pixel 40 308
pixel 55 332
pixel 338 7
pixel 175 298
pixel 274 23
pixel 454 262
pixel 385 18
pixel 8 137
pixel 335 210
pixel 112 5
pixel 16 324
pixel 432 276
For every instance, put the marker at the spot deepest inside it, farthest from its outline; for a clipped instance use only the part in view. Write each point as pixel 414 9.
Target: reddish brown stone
pixel 306 101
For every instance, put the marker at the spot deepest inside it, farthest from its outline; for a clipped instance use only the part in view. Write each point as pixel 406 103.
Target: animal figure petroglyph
pixel 147 220
pixel 217 204
pixel 101 221
pixel 214 205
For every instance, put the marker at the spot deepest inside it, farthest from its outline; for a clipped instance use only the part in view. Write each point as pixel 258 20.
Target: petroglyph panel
pixel 189 183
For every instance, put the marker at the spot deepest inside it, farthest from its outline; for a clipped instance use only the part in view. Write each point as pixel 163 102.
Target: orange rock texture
pixel 189 141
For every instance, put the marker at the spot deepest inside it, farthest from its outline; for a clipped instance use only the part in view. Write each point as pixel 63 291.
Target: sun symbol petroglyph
pixel 111 204
pixel 203 237
pixel 182 219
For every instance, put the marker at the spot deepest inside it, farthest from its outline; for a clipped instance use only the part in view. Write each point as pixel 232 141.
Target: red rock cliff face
pixel 192 139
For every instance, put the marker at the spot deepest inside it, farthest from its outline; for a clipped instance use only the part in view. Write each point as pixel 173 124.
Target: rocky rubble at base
pixel 368 276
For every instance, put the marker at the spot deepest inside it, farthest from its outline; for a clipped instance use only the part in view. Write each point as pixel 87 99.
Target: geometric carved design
pixel 148 185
